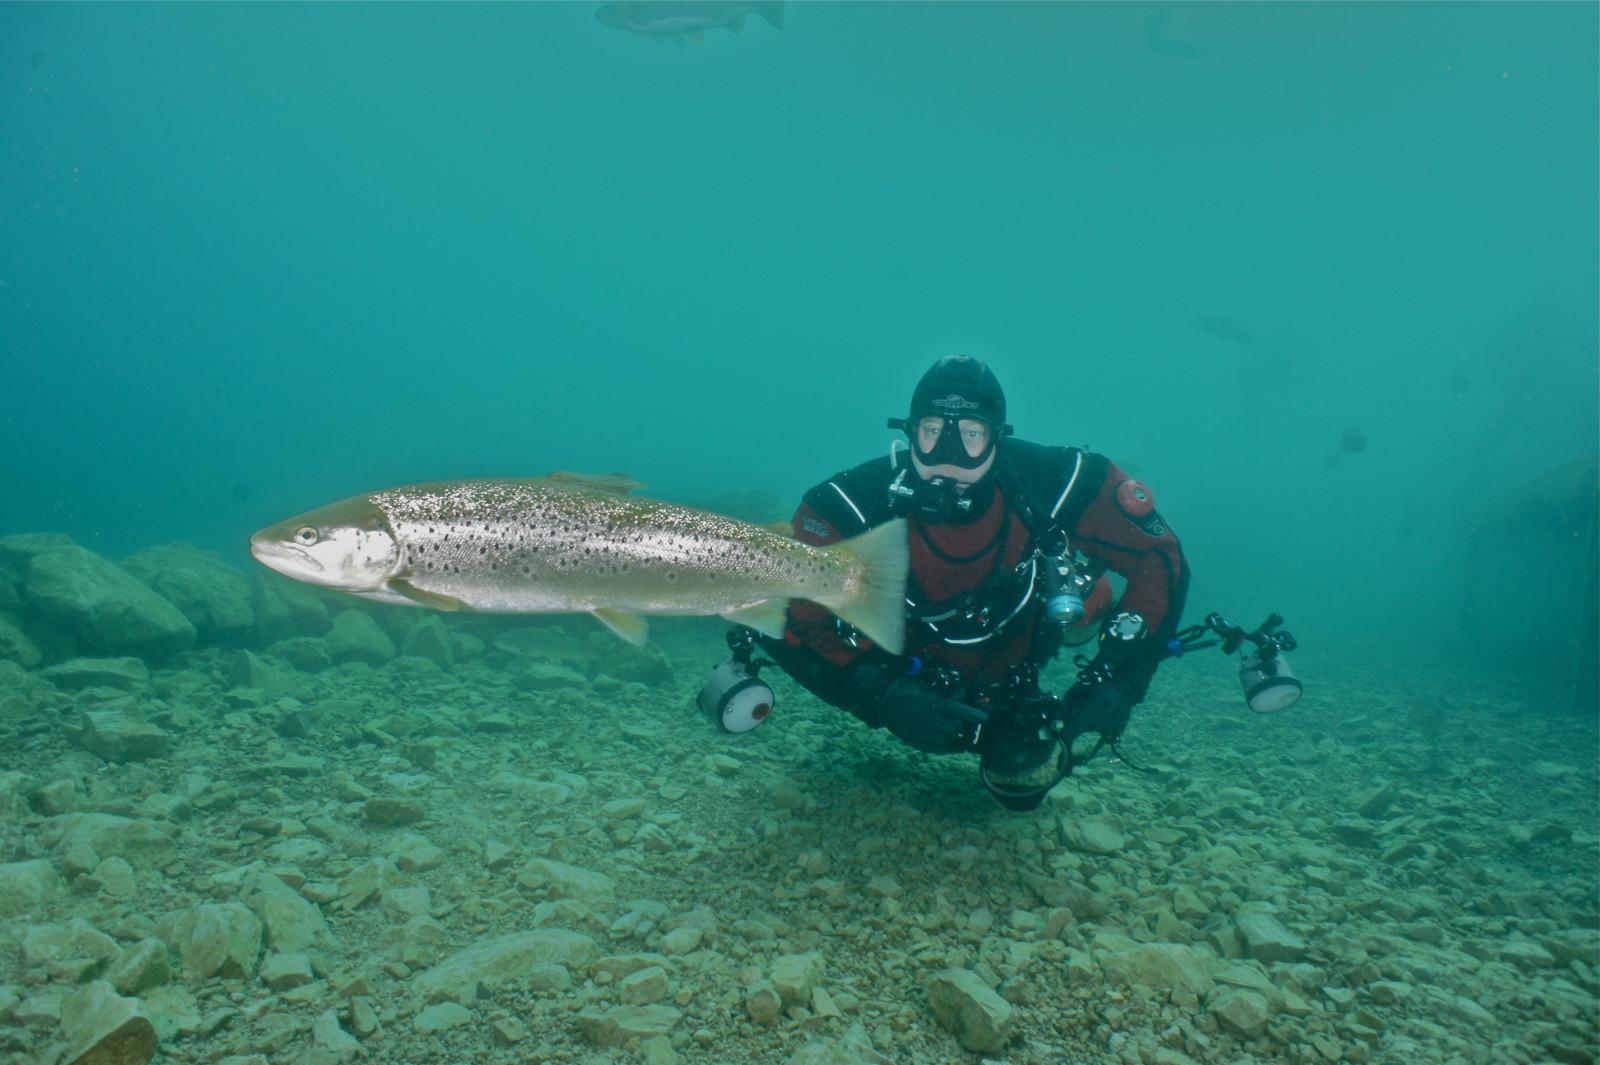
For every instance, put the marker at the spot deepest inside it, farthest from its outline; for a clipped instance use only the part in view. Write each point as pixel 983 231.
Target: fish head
pixel 348 546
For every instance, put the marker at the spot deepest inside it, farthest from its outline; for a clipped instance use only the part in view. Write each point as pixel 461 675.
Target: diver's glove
pixel 1102 707
pixel 917 715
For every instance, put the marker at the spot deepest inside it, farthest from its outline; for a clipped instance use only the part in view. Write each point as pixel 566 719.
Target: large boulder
pixel 104 1028
pixel 15 646
pixel 969 1009
pixel 286 608
pixel 358 638
pixel 213 595
pixel 492 963
pixel 214 939
pixel 27 886
pixel 105 607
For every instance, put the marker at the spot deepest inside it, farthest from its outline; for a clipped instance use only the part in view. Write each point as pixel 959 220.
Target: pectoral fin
pixel 432 600
pixel 630 627
pixel 767 617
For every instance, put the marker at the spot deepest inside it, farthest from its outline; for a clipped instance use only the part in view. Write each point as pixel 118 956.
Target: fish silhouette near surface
pixel 686 18
pixel 570 543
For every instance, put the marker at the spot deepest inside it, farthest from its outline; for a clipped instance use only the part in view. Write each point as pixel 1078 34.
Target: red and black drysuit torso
pixel 973 600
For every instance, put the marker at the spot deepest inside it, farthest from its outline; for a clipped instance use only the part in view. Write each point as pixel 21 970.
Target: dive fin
pixel 432 600
pixel 879 607
pixel 630 627
pixel 616 483
pixel 767 617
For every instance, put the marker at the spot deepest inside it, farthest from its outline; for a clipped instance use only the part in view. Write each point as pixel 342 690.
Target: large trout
pixel 568 543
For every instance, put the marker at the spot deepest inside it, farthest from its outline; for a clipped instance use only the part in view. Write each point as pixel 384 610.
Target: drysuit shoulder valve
pixel 735 697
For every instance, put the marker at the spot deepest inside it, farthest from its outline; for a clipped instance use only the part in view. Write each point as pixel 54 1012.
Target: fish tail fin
pixel 878 607
pixel 772 11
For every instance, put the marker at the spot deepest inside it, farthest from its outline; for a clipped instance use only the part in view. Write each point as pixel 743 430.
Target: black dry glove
pixel 1102 708
pixel 922 718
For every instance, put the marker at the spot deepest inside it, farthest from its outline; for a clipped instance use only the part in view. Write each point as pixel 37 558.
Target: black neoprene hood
pixel 959 386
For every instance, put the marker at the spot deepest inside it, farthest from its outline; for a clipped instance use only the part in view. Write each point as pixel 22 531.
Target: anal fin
pixel 631 627
pixel 767 617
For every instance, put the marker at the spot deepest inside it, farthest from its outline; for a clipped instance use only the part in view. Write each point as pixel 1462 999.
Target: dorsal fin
pixel 616 483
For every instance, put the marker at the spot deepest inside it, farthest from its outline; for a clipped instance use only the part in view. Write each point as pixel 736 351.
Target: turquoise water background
pixel 257 257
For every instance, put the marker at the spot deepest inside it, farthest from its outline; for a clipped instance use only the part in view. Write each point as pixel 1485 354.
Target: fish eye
pixel 305 536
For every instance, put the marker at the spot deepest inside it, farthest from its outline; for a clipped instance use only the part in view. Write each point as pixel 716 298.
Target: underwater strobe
pixel 736 697
pixel 1264 674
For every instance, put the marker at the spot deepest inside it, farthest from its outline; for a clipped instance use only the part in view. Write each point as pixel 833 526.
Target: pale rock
pixel 15 646
pixel 27 886
pixel 285 608
pixel 330 1037
pixel 116 878
pixel 406 902
pixel 173 1010
pixel 105 607
pixel 308 654
pixel 416 854
pixel 643 987
pixel 119 737
pixel 763 1003
pixel 124 674
pixel 1375 801
pixel 292 923
pixel 1266 939
pixel 428 638
pixel 1525 954
pixel 55 797
pixel 214 939
pixel 560 880
pixel 281 972
pixel 103 1028
pixel 140 966
pixel 213 595
pixel 391 811
pixel 48 944
pixel 1164 966
pixel 1100 834
pixel 621 809
pixel 852 1048
pixel 795 975
pixel 681 941
pixel 491 963
pixel 441 1016
pixel 615 1027
pixel 1246 1012
pixel 355 637
pixel 969 1009
pixel 366 882
pixel 143 845
pixel 422 941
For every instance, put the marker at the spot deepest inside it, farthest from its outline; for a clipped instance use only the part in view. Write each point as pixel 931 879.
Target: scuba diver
pixel 1010 546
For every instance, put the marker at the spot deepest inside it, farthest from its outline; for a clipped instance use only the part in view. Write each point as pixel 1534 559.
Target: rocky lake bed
pixel 246 822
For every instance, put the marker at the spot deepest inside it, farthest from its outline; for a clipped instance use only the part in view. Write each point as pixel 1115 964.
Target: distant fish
pixel 686 18
pixel 1460 380
pixel 1155 36
pixel 1222 329
pixel 240 493
pixel 1352 440
pixel 569 543
pixel 542 641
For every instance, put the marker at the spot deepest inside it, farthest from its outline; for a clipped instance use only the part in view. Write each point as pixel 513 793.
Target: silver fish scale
pixel 535 546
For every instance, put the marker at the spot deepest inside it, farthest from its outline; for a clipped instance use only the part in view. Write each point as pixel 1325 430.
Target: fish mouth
pixel 285 558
